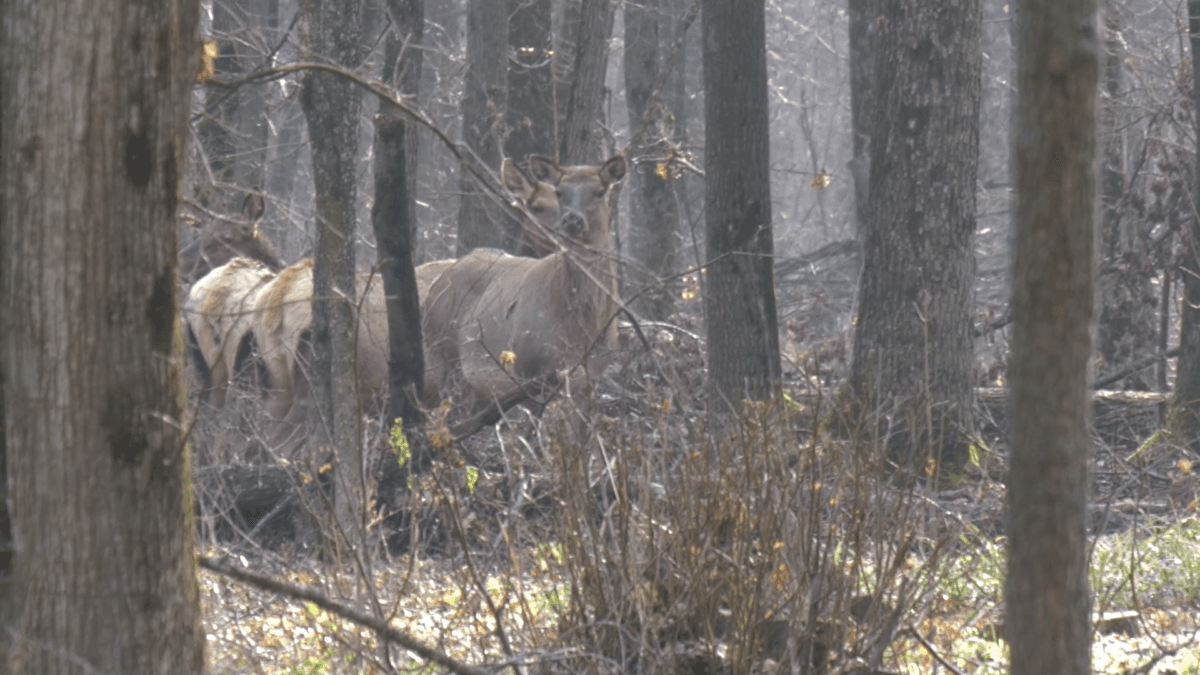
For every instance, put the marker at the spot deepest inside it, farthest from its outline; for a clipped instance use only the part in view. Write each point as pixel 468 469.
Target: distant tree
pixel 1046 595
pixel 1185 402
pixel 581 126
pixel 862 98
pixel 912 357
pixel 96 475
pixel 481 222
pixel 739 303
pixel 332 107
pixel 653 215
pixel 529 116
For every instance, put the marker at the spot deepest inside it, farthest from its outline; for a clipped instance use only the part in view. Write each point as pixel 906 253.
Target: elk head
pixel 224 239
pixel 565 204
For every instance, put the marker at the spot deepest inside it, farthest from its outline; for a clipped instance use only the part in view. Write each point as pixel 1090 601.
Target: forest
pixel 599 336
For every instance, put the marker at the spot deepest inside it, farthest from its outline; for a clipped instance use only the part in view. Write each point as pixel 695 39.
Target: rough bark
pixel 481 222
pixel 93 126
pixel 862 98
pixel 529 117
pixel 912 363
pixel 1046 595
pixel 581 126
pixel 1185 403
pixel 653 215
pixel 331 107
pixel 739 303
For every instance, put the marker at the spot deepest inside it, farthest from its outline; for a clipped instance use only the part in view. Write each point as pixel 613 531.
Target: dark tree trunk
pixel 1046 595
pixel 581 126
pixel 96 466
pixel 406 67
pixel 653 215
pixel 913 361
pixel 481 222
pixel 393 218
pixel 331 106
pixel 739 303
pixel 862 99
pixel 1185 404
pixel 529 118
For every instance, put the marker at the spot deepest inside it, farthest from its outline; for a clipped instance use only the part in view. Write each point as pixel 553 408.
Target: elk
pixel 283 317
pixel 219 313
pixel 489 308
pixel 224 239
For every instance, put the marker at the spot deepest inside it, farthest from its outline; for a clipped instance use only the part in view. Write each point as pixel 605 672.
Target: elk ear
pixel 515 181
pixel 613 171
pixel 544 169
pixel 253 207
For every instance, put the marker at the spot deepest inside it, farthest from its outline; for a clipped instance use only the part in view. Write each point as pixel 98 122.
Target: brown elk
pixel 283 317
pixel 219 313
pixel 224 239
pixel 493 320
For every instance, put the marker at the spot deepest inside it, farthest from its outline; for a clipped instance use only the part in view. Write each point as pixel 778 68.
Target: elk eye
pixel 599 193
pixel 558 194
pixel 537 208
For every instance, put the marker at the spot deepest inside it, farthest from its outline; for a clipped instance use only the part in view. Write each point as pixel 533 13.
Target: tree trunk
pixel 93 126
pixel 913 362
pixel 581 126
pixel 1046 595
pixel 739 303
pixel 331 106
pixel 393 217
pixel 653 215
pixel 529 118
pixel 481 222
pixel 862 99
pixel 1185 404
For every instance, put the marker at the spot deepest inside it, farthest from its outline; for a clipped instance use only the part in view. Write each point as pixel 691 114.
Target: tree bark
pixel 912 360
pixel 481 222
pixel 1046 595
pixel 653 216
pixel 862 99
pixel 580 137
pixel 93 125
pixel 739 303
pixel 1185 404
pixel 331 107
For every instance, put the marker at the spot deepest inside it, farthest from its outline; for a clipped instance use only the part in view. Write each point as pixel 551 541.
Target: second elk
pixel 495 322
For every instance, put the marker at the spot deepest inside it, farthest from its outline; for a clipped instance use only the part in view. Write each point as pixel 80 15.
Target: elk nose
pixel 572 223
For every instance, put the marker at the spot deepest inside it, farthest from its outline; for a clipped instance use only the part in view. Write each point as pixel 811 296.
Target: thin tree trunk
pixel 581 127
pixel 331 107
pixel 1046 594
pixel 862 100
pixel 93 126
pixel 530 116
pixel 739 302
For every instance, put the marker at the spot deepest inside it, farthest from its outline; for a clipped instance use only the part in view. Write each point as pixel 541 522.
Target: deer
pixel 224 239
pixel 493 322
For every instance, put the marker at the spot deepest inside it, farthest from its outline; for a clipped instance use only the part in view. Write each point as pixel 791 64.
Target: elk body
pixel 224 239
pixel 547 313
pixel 219 313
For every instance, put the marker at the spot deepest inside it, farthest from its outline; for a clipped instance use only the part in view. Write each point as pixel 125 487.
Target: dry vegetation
pixel 615 533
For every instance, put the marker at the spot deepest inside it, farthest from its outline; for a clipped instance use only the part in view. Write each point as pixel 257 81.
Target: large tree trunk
pixel 393 217
pixel 93 126
pixel 1046 595
pixel 912 362
pixel 581 126
pixel 331 106
pixel 653 215
pixel 862 99
pixel 739 303
pixel 1185 403
pixel 529 117
pixel 481 222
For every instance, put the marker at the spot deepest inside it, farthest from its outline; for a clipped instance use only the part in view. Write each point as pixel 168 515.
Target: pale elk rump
pixel 493 321
pixel 219 313
pixel 224 239
pixel 284 316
